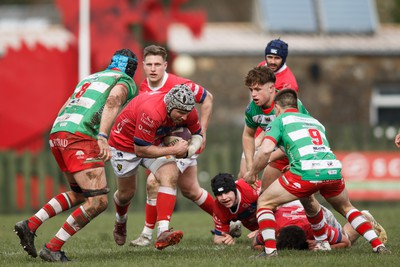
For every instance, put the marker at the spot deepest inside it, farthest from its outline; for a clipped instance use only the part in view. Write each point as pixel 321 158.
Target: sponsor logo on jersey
pixel 80 154
pixel 319 148
pixel 147 120
pixel 267 129
pixel 120 125
pixel 140 127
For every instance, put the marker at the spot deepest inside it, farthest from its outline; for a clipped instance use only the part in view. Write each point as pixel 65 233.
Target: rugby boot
pixel 141 241
pixel 119 233
pixel 382 250
pixel 264 255
pixel 52 256
pixel 379 230
pixel 168 238
pixel 26 237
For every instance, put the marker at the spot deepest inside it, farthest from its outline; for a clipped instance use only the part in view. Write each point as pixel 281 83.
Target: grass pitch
pixel 94 245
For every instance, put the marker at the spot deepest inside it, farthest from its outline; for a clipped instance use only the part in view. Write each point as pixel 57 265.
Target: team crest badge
pixel 119 167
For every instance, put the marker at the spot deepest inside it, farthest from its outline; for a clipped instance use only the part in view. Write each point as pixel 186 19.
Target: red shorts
pixel 301 188
pixel 75 152
pixel 280 163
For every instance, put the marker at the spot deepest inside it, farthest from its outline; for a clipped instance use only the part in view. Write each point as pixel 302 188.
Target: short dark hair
pixel 291 237
pixel 260 75
pixel 286 98
pixel 155 50
pixel 223 183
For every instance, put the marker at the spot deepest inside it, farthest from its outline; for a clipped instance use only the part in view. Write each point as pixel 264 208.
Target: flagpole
pixel 84 38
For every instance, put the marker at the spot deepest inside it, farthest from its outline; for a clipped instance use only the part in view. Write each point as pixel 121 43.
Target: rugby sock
pixel 151 217
pixel 166 199
pixel 122 210
pixel 363 227
pixel 205 201
pixel 267 227
pixel 55 206
pixel 319 226
pixel 75 222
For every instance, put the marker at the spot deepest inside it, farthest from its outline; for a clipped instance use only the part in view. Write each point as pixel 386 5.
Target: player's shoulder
pixel 252 107
pixel 172 78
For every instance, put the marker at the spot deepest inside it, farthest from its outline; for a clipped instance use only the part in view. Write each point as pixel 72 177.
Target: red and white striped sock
pixel 319 226
pixel 205 201
pixel 267 227
pixel 166 199
pixel 122 210
pixel 55 206
pixel 151 217
pixel 363 227
pixel 75 222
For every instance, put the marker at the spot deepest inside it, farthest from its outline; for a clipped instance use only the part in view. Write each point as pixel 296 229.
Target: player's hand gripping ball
pixel 177 134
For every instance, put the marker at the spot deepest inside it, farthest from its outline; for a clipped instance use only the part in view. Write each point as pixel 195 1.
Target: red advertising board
pixel 371 175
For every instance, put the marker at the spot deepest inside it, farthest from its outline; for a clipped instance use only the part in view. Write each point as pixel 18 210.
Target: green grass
pixel 94 245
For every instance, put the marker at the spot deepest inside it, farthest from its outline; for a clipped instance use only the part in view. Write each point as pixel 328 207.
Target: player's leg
pixel 269 175
pixel 242 168
pixel 268 201
pixel 341 203
pixel 126 189
pixel 125 166
pixel 94 186
pixel 316 217
pixel 26 229
pixel 167 175
pixel 152 186
pixel 190 188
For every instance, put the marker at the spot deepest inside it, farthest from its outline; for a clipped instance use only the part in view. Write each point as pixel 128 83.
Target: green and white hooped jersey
pixel 83 112
pixel 256 116
pixel 304 141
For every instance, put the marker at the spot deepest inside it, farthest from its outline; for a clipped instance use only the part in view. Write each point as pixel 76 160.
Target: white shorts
pixel 183 164
pixel 127 164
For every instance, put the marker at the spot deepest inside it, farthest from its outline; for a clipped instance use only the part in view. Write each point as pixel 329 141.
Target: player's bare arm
pixel 260 161
pixel 115 100
pixel 179 150
pixel 248 145
pixel 206 110
pixel 277 154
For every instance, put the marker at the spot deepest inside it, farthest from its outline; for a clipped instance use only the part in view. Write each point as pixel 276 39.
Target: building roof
pixel 227 39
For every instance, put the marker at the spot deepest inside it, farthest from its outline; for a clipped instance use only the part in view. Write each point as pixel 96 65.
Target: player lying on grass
pixel 238 200
pixel 294 231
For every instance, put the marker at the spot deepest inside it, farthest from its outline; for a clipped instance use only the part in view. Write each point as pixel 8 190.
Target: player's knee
pixel 152 186
pixel 191 194
pixel 169 181
pixel 97 205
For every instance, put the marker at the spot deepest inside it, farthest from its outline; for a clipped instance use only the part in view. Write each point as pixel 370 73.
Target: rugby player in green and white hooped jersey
pixel 78 141
pixel 260 113
pixel 84 109
pixel 313 168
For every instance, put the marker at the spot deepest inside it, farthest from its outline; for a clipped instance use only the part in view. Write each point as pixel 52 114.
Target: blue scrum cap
pixel 124 60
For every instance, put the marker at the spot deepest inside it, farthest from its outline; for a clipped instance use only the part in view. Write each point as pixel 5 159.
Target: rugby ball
pixel 177 134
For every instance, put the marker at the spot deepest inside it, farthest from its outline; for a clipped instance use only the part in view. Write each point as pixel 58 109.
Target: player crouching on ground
pixel 234 201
